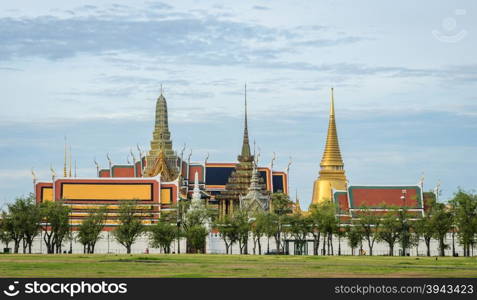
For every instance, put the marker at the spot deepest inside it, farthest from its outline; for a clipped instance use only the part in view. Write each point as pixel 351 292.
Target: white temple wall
pixel 215 245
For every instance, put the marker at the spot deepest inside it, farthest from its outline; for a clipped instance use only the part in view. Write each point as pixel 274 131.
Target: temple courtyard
pixel 228 266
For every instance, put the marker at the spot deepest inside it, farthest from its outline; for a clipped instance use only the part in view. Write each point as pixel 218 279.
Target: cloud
pixel 194 37
pixel 260 7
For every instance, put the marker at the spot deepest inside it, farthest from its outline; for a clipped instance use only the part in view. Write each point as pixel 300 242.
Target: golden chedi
pixel 332 175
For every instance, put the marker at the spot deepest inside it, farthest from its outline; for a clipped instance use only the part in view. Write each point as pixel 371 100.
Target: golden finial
pixel 332 107
pixel 288 165
pixel 53 173
pixel 33 174
pixel 97 166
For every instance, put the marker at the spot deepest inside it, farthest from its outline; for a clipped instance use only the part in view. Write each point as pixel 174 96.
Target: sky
pixel 404 75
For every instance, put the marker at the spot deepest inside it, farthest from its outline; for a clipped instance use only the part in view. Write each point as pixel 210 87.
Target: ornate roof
pixel 256 198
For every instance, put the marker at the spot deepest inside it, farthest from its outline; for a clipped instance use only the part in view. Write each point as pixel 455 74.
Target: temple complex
pixel 159 178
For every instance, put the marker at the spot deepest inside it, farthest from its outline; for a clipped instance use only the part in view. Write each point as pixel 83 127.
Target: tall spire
pixel 332 175
pixel 246 143
pixel 332 155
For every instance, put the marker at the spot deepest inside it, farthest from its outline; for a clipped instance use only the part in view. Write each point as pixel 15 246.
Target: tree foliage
pixel 130 226
pixel 89 232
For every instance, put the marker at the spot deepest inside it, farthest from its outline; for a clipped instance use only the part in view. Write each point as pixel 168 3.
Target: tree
pixel 390 230
pixel 228 232
pixel 130 226
pixel 270 222
pixel 405 237
pixel 89 232
pixel 196 236
pixel 281 206
pixel 355 237
pixel 464 210
pixel 22 222
pixel 193 218
pixel 329 225
pixel 424 228
pixel 441 221
pixel 27 215
pixel 55 226
pixel 162 235
pixel 298 227
pixel 13 229
pixel 370 224
pixel 5 235
pixel 315 221
pixel 258 229
pixel 242 224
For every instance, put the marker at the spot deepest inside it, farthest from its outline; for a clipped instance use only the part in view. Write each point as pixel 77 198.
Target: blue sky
pixel 405 77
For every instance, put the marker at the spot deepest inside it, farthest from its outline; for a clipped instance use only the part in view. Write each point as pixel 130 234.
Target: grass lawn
pixel 196 265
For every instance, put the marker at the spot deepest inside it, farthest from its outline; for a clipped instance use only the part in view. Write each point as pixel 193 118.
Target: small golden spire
pixel 69 175
pixel 65 172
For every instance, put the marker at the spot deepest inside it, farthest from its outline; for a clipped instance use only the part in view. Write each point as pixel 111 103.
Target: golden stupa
pixel 332 175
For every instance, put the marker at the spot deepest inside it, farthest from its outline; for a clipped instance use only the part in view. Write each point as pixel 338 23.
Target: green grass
pixel 192 266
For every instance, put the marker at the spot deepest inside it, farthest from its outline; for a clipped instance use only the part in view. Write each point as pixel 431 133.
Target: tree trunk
pixel 316 243
pixel 128 249
pixel 370 247
pixel 453 243
pixel 441 246
pixel 259 247
pixel 16 246
pixel 391 249
pixel 428 246
pixel 323 250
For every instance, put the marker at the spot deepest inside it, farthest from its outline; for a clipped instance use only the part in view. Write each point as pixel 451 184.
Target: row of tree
pixel 24 220
pixel 391 225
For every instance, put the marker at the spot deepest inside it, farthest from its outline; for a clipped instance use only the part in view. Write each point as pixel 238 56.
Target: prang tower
pixel 332 174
